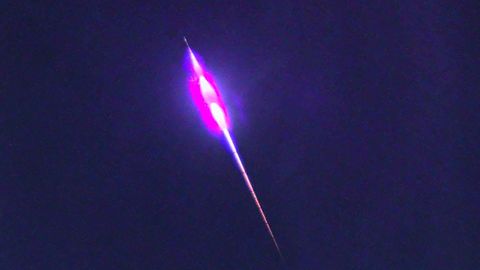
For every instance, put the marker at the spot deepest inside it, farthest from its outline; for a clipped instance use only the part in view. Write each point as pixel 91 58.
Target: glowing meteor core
pixel 210 104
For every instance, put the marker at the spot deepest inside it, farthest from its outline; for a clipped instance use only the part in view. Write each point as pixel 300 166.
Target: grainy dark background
pixel 357 121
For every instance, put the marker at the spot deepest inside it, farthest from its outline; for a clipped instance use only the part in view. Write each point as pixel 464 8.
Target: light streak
pixel 233 148
pixel 207 98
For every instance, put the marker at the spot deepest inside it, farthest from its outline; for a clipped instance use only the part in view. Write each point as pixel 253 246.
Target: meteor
pixel 212 109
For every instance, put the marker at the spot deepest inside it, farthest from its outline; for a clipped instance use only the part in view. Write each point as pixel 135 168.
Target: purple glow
pixel 206 96
pixel 195 64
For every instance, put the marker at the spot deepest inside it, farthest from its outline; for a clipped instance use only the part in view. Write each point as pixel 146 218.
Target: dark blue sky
pixel 357 122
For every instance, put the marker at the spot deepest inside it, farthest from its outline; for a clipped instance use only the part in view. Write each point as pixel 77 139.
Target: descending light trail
pixel 250 187
pixel 212 109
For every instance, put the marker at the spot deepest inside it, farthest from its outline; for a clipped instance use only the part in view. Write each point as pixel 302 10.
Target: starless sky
pixel 355 120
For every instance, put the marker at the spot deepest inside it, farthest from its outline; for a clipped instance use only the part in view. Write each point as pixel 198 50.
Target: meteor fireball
pixel 212 109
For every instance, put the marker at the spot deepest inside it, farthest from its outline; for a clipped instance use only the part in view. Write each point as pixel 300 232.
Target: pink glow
pixel 218 115
pixel 197 69
pixel 206 96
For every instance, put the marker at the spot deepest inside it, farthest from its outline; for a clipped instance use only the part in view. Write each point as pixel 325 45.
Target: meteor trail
pixel 250 187
pixel 213 111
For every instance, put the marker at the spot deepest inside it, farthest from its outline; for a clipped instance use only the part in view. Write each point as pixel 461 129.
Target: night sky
pixel 357 121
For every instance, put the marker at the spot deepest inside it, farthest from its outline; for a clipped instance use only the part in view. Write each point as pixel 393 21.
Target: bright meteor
pixel 212 109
